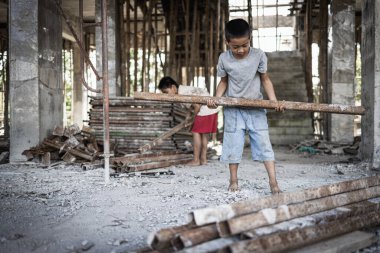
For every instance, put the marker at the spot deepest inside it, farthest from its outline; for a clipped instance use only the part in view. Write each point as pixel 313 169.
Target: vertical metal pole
pixel 105 92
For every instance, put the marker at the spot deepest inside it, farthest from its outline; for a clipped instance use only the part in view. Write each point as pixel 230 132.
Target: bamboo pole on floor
pixel 255 103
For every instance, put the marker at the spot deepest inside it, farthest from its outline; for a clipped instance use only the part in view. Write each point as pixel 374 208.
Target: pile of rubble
pixel 325 147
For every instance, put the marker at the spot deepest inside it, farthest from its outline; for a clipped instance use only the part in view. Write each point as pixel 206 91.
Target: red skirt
pixel 205 124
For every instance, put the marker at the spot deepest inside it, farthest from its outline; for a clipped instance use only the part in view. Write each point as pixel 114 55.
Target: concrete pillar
pixel 79 91
pixel 113 47
pixel 36 92
pixel 343 68
pixel 370 51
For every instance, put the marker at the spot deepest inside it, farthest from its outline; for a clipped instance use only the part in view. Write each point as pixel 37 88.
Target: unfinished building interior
pixel 87 166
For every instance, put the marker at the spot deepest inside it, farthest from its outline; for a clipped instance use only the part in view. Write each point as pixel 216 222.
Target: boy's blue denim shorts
pixel 238 121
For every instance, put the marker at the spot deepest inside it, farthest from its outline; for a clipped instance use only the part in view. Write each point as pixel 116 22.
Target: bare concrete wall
pixel 285 69
pixel 50 67
pixel 113 47
pixel 343 68
pixel 370 51
pixel 36 93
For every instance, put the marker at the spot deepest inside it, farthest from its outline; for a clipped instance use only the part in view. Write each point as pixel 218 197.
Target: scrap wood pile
pixel 147 134
pixel 139 162
pixel 70 144
pixel 328 215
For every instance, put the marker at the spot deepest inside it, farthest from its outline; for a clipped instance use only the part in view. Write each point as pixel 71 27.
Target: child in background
pixel 205 121
pixel 243 70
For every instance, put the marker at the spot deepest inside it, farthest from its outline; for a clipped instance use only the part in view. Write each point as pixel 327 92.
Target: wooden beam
pixel 350 242
pixel 187 122
pixel 215 214
pixel 202 234
pixel 255 103
pixel 270 216
pixel 296 238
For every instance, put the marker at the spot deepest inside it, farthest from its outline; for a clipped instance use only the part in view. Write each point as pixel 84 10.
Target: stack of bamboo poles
pixel 135 123
pixel 276 223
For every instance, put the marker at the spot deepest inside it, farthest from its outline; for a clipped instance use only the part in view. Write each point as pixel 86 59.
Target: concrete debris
pixel 55 206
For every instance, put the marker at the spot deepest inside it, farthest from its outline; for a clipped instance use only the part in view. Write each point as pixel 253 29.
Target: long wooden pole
pixel 270 216
pixel 198 235
pixel 285 241
pixel 256 103
pixel 224 212
pixel 214 215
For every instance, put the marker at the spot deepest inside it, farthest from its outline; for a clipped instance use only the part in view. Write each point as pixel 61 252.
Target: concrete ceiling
pixel 72 6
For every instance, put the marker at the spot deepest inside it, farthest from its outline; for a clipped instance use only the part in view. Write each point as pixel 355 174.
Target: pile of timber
pixel 281 223
pixel 147 134
pixel 135 123
pixel 148 161
pixel 70 144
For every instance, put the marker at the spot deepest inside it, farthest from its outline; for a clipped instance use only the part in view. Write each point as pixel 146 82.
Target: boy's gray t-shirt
pixel 243 74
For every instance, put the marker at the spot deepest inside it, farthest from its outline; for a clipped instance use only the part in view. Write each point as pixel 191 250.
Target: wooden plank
pixel 162 164
pixel 288 240
pixel 255 103
pixel 270 216
pixel 69 150
pixel 223 212
pixel 159 140
pixel 347 243
pixel 201 235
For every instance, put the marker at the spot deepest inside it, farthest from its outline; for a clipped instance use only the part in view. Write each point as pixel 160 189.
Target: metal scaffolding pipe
pixel 106 133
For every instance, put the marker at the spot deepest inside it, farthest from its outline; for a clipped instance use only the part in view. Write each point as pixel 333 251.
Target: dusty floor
pixel 64 208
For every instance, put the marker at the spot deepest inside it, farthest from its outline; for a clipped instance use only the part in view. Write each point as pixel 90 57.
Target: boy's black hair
pixel 237 28
pixel 167 82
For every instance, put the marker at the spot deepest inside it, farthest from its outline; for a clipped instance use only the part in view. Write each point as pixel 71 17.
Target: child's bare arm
pixel 197 108
pixel 220 90
pixel 269 90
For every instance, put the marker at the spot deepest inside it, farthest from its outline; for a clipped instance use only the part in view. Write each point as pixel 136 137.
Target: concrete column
pixel 113 47
pixel 370 51
pixel 36 92
pixel 343 68
pixel 79 91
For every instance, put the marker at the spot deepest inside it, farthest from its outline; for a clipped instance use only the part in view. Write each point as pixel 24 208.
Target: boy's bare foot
pixel 274 188
pixel 194 163
pixel 233 186
pixel 203 161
